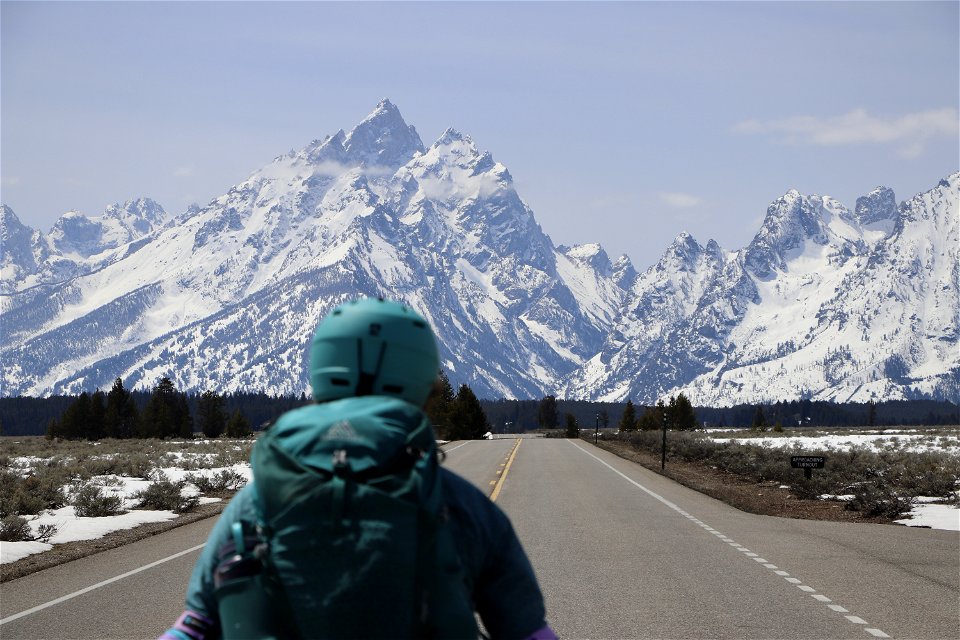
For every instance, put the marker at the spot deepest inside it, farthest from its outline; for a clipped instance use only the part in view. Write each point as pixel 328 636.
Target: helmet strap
pixel 365 380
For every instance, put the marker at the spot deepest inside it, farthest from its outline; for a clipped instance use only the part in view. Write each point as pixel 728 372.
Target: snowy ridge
pixel 824 302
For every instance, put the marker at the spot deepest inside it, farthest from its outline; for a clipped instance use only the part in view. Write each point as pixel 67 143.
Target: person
pixel 375 539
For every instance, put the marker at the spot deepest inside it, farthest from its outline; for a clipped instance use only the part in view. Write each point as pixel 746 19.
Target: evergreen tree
pixel 74 423
pixel 759 420
pixel 681 414
pixel 439 406
pixel 652 419
pixel 573 429
pixel 95 426
pixel 628 421
pixel 54 430
pixel 467 420
pixel 183 419
pixel 238 426
pixel 871 414
pixel 211 414
pixel 167 414
pixel 120 419
pixel 547 415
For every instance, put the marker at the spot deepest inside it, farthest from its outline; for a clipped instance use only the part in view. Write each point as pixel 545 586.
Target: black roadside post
pixel 663 444
pixel 596 434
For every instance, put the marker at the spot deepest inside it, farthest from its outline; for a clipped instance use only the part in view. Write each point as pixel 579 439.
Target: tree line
pixel 169 413
pixel 166 414
pixel 677 413
pixel 32 416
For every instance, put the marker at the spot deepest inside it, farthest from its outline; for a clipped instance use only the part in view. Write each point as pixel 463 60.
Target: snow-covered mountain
pixel 76 244
pixel 823 303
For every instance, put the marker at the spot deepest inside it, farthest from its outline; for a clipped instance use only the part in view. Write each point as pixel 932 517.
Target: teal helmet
pixel 373 347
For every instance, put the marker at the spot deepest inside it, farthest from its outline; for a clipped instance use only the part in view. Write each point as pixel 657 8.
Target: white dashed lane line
pixel 877 633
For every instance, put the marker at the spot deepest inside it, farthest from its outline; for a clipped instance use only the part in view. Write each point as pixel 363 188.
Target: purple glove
pixel 191 626
pixel 544 633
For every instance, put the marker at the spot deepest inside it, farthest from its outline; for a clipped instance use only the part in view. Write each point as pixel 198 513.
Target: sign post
pixel 808 464
pixel 663 443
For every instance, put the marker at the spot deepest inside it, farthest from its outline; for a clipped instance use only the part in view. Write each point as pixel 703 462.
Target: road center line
pixel 70 596
pixel 784 574
pixel 506 470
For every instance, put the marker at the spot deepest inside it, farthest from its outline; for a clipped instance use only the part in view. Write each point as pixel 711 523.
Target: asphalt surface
pixel 619 551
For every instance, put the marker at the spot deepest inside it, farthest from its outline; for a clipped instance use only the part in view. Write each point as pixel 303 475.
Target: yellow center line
pixel 506 470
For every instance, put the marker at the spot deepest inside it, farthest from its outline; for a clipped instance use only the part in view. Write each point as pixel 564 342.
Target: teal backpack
pixel 353 539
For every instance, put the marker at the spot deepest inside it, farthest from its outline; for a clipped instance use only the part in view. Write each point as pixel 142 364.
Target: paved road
pixel 620 553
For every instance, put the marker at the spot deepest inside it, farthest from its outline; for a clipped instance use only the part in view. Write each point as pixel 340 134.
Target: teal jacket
pixel 505 590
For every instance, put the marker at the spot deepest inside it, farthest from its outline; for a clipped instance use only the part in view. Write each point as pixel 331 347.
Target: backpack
pixel 352 538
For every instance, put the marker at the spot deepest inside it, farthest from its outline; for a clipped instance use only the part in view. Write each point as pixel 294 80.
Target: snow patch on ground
pixel 912 442
pixel 935 516
pixel 71 528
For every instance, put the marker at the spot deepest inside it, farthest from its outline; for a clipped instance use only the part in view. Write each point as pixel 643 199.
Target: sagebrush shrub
pixel 223 480
pixel 14 528
pixel 42 489
pixel 91 502
pixel 873 501
pixel 164 495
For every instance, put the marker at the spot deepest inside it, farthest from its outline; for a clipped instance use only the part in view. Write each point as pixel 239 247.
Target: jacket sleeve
pixel 200 621
pixel 507 594
pixel 505 589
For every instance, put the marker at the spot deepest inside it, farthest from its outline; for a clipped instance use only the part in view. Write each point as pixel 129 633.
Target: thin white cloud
pixel 333 169
pixel 910 131
pixel 680 200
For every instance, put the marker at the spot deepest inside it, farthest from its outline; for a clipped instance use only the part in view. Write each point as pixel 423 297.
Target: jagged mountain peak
pixel 142 213
pixel 19 249
pixel 790 222
pixel 592 254
pixel 9 219
pixel 681 255
pixel 451 136
pixel 685 243
pixel 877 207
pixel 383 138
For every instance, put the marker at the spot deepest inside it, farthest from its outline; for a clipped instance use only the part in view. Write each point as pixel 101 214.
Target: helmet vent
pixel 339 382
pixel 419 324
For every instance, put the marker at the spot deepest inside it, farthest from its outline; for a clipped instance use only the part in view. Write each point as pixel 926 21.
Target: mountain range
pixel 824 303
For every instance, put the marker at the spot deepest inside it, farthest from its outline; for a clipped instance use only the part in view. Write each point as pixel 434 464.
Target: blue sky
pixel 622 123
